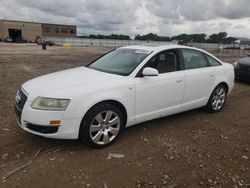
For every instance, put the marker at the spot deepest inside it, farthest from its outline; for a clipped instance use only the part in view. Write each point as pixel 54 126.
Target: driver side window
pixel 164 62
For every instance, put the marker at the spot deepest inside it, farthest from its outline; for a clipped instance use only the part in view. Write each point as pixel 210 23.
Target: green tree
pixel 152 37
pixel 217 38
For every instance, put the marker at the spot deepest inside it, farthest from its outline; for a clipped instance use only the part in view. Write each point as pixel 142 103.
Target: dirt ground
pixel 191 149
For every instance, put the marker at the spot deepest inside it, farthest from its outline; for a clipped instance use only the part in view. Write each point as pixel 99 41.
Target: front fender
pixel 80 105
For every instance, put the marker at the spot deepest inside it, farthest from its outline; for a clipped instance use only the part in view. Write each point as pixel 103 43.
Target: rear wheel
pixel 217 99
pixel 102 125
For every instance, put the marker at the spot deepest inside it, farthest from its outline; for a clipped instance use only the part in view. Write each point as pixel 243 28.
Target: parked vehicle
pixel 21 40
pixel 232 47
pixel 0 40
pixel 242 69
pixel 125 87
pixel 8 39
pixel 49 43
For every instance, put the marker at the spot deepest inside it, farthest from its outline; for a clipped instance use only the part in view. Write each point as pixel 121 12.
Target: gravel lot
pixel 191 149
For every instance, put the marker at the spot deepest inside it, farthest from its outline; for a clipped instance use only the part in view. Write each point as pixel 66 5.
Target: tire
pixel 217 99
pixel 102 125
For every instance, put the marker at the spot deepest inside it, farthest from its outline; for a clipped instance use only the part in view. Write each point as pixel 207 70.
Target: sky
pixel 131 17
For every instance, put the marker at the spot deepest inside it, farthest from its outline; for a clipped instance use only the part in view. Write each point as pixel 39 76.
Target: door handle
pixel 211 75
pixel 179 80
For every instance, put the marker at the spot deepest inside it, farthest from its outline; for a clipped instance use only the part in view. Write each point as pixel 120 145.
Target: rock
pixel 105 185
pixel 56 150
pixel 145 139
pixel 52 158
pixel 139 184
pixel 236 125
pixel 5 129
pixel 166 177
pixel 115 155
pixel 172 186
pixel 240 184
pixel 223 137
pixel 244 157
pixel 164 182
pixel 4 156
pixel 210 181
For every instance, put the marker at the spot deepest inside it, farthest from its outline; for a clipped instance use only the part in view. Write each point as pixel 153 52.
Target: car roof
pixel 157 48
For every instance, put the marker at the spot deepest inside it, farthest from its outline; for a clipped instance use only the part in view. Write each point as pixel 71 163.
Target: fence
pixel 81 42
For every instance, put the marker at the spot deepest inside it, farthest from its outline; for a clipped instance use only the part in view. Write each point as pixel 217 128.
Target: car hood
pixel 65 80
pixel 245 61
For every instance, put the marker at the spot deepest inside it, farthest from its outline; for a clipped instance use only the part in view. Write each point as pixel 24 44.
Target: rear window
pixel 212 61
pixel 193 59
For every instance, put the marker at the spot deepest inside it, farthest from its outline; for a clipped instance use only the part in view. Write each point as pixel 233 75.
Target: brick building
pixel 30 30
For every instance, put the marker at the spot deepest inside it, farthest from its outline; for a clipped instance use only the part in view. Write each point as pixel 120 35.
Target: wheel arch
pixel 224 84
pixel 220 83
pixel 113 102
pixel 208 105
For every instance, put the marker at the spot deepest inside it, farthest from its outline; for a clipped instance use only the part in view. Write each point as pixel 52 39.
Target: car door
pixel 161 95
pixel 199 79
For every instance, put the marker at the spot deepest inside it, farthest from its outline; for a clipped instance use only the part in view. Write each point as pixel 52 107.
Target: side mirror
pixel 150 72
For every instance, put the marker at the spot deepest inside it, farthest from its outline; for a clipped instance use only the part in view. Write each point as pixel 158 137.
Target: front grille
pixel 20 99
pixel 18 114
pixel 42 129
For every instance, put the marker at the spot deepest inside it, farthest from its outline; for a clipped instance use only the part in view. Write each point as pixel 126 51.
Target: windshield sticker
pixel 142 52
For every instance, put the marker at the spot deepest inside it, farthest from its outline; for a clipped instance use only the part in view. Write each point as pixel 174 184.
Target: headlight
pixel 235 64
pixel 50 104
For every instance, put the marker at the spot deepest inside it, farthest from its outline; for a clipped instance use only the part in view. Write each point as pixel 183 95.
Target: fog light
pixel 55 122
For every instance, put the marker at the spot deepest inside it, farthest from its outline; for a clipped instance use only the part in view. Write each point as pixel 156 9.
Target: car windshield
pixel 121 61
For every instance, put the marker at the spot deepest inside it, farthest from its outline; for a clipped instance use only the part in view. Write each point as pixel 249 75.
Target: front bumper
pixel 38 122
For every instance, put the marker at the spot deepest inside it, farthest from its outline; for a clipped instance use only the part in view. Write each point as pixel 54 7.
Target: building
pixel 236 40
pixel 242 41
pixel 31 30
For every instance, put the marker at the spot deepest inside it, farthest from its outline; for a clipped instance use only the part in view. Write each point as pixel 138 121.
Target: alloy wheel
pixel 104 127
pixel 219 98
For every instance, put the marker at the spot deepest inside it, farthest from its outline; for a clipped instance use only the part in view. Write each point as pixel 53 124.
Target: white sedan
pixel 124 87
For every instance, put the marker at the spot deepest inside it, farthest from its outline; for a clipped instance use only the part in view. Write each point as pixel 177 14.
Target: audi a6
pixel 122 88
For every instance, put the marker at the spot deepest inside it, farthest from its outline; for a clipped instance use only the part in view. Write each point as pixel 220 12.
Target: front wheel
pixel 102 125
pixel 217 99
